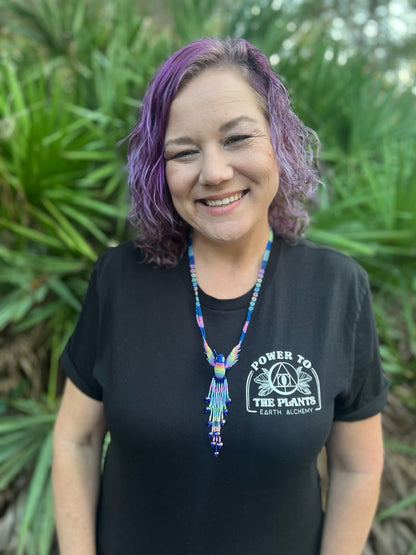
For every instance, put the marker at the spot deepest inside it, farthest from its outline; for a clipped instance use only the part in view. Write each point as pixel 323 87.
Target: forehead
pixel 215 93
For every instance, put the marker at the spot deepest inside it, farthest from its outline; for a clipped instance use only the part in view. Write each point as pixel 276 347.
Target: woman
pixel 220 298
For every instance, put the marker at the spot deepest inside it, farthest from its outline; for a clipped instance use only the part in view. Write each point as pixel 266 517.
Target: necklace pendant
pixel 218 400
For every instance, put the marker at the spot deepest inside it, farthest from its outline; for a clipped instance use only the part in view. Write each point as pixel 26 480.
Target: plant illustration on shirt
pixel 283 378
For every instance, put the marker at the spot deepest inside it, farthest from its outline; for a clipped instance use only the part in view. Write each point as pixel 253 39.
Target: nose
pixel 215 167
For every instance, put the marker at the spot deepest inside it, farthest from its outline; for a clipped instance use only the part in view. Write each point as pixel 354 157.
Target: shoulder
pixel 125 265
pixel 117 264
pixel 318 256
pixel 325 269
pixel 125 253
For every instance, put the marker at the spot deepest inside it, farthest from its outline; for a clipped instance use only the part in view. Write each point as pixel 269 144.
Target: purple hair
pixel 162 233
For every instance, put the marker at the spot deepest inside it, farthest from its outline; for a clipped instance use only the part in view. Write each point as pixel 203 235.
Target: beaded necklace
pixel 218 398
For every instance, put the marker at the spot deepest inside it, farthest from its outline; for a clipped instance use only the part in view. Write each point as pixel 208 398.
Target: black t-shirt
pixel 310 357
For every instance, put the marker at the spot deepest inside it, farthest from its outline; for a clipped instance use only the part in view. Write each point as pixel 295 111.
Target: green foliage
pixel 193 19
pixel 71 78
pixel 394 509
pixel 68 95
pixel 62 111
pixel 25 442
pixel 368 209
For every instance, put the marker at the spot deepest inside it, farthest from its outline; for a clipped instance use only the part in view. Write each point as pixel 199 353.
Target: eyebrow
pixel 232 123
pixel 225 127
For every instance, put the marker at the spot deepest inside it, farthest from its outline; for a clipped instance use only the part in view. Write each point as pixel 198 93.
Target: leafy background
pixel 71 78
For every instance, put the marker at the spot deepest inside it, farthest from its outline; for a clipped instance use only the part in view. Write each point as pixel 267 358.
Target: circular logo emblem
pixel 283 378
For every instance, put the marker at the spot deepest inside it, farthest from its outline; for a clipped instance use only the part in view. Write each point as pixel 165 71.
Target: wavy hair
pixel 162 233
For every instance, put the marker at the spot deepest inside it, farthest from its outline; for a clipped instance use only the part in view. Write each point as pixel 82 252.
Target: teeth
pixel 224 201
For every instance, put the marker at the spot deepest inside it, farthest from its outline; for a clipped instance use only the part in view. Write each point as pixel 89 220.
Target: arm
pixel 355 461
pixel 78 437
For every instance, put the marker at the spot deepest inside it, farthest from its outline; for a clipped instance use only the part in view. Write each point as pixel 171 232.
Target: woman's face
pixel 221 169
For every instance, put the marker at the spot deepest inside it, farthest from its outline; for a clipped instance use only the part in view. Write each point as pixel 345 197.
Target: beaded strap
pixel 218 397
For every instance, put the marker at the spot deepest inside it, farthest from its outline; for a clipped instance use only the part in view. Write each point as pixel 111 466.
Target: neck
pixel 228 270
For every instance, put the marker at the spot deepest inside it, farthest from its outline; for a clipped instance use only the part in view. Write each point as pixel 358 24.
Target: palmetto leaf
pixel 25 443
pixel 39 493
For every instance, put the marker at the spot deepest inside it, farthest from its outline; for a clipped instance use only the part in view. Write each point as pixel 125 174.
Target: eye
pixel 236 139
pixel 183 154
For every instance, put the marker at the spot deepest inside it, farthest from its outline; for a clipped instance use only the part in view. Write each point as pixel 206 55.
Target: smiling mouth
pixel 224 201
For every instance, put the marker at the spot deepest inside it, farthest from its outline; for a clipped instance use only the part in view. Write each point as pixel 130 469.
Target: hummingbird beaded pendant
pixel 218 398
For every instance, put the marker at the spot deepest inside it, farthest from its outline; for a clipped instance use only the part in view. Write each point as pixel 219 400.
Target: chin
pixel 224 234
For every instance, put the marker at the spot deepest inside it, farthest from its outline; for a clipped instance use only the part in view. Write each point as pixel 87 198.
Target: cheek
pixel 173 181
pixel 275 169
pixel 273 176
pixel 168 175
pixel 273 186
pixel 271 168
pixel 178 180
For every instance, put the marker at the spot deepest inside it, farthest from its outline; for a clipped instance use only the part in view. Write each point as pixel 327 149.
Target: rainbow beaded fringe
pixel 218 397
pixel 218 400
